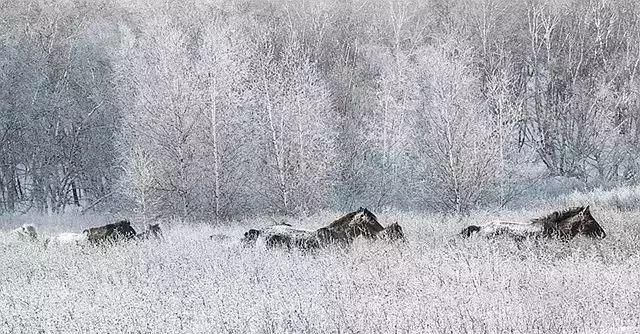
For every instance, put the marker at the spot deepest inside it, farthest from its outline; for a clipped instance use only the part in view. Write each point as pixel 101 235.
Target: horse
pixel 152 231
pixel 341 232
pixel 358 223
pixel 121 230
pixel 564 225
pixel 363 223
pixel 26 232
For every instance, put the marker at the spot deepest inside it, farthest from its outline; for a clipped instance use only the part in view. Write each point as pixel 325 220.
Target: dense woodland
pixel 207 109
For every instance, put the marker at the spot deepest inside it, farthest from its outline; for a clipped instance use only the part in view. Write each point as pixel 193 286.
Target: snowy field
pixel 433 283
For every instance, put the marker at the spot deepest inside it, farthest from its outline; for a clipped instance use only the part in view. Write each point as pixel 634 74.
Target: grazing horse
pixel 342 231
pixel 121 230
pixel 26 232
pixel 153 231
pixel 563 225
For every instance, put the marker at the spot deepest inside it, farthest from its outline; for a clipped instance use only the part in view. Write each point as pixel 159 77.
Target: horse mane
pixel 368 214
pixel 349 216
pixel 558 216
pixel 342 220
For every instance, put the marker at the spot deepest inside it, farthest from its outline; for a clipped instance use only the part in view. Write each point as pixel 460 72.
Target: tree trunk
pixel 11 188
pixel 74 191
pixel 216 157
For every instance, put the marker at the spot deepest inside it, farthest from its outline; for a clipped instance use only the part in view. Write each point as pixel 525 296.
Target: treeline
pixel 211 109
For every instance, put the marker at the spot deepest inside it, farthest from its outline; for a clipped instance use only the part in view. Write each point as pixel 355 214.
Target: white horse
pixel 26 232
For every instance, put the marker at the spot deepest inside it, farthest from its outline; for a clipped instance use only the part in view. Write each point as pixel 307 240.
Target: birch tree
pixel 454 141
pixel 223 68
pixel 295 130
pixel 162 110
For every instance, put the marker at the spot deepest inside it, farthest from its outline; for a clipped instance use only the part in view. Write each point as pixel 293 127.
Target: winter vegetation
pixel 434 282
pixel 210 117
pixel 210 110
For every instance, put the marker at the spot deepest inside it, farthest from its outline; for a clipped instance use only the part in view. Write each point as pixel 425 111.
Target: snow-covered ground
pixel 433 283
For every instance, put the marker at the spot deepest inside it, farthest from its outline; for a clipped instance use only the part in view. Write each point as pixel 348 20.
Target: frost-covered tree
pixel 294 130
pixel 455 142
pixel 389 127
pixel 162 107
pixel 58 105
pixel 223 70
pixel 246 107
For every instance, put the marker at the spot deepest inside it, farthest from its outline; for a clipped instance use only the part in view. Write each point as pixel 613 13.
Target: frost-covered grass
pixel 434 283
pixel 622 198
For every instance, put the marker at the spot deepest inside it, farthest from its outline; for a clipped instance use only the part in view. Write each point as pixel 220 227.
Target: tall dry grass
pixel 433 283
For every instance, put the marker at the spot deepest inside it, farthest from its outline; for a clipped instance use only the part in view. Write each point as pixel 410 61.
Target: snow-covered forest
pixel 207 108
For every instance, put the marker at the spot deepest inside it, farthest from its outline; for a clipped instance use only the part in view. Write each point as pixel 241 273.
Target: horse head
pixel 392 232
pixel 572 222
pixel 587 225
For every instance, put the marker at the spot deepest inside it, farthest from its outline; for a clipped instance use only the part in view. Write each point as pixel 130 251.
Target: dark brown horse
pixel 342 231
pixel 358 223
pixel 121 230
pixel 563 225
pixel 363 223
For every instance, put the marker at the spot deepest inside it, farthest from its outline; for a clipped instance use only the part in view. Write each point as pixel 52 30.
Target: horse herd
pixel 362 223
pixel 562 225
pixel 110 233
